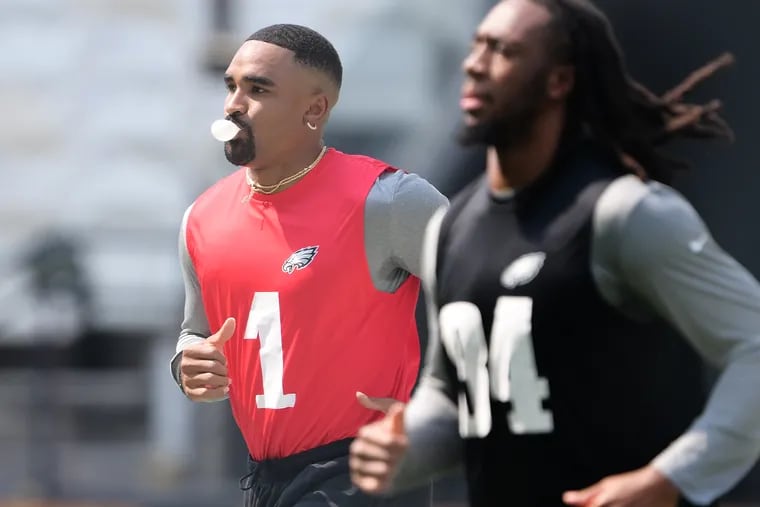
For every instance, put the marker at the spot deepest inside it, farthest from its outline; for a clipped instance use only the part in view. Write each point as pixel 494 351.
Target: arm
pixel 407 449
pixel 651 244
pixel 398 209
pixel 431 422
pixel 195 326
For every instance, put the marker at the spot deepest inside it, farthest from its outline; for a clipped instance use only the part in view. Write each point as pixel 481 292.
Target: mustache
pixel 237 119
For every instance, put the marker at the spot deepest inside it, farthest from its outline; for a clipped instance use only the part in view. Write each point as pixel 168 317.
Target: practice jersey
pixel 562 356
pixel 319 316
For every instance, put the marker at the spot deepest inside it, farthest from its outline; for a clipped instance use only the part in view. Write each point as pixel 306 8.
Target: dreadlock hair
pixel 627 119
pixel 309 47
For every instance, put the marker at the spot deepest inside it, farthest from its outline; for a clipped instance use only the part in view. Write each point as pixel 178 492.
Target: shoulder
pixel 211 209
pixel 185 217
pixel 404 193
pixel 628 201
pixel 207 200
pixel 617 202
pixel 466 194
pixel 473 199
pixel 645 220
pixel 404 185
pixel 356 162
pixel 391 184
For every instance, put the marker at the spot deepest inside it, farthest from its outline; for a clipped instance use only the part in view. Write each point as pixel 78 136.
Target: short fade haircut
pixel 309 47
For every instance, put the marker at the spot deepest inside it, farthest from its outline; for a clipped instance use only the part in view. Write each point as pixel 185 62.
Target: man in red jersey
pixel 300 275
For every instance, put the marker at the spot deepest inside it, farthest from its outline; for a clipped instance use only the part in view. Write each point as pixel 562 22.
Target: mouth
pixel 245 129
pixel 472 102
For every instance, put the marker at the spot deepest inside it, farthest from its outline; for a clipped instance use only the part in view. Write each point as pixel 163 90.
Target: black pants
pixel 317 477
pixel 682 502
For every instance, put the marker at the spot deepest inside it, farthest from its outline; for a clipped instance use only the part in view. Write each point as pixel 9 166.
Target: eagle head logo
pixel 299 259
pixel 523 270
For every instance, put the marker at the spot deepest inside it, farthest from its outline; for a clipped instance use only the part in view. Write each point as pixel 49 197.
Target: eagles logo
pixel 299 259
pixel 523 270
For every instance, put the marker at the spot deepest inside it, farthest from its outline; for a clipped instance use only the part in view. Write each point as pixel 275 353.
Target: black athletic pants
pixel 317 477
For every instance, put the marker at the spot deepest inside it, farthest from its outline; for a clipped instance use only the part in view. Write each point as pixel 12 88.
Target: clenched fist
pixel 203 367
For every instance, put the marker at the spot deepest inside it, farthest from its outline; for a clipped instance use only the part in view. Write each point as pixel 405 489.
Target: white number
pixel 462 334
pixel 264 324
pixel 513 374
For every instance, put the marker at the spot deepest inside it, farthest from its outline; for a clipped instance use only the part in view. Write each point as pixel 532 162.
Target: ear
pixel 317 110
pixel 560 82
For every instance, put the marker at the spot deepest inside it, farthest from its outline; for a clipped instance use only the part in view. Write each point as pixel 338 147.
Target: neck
pixel 514 167
pixel 295 160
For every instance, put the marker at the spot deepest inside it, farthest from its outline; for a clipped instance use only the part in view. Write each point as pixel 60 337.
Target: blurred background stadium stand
pixel 104 140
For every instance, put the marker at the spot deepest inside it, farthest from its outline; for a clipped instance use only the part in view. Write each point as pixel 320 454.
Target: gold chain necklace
pixel 271 189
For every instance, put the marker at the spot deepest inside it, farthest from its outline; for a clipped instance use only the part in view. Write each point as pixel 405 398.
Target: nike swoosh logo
pixel 696 245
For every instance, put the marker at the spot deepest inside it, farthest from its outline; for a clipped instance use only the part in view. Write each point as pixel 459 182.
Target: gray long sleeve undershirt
pixel 651 253
pixel 397 210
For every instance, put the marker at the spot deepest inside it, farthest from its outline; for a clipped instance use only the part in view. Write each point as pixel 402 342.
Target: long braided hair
pixel 626 118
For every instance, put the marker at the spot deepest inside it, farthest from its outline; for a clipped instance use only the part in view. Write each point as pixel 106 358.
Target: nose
pixel 476 62
pixel 235 103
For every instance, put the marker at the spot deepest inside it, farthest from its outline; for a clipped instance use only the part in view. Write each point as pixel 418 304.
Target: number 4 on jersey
pixel 264 324
pixel 513 374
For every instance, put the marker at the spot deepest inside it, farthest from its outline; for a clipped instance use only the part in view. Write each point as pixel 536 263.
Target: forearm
pixel 651 246
pixel 185 340
pixel 723 444
pixel 435 447
pixel 195 326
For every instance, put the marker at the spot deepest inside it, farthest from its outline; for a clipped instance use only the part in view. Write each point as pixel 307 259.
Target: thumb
pixel 374 403
pixel 581 497
pixel 225 332
pixel 395 418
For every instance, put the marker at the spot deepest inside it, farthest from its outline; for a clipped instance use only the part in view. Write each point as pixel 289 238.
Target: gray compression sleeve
pixel 195 326
pixel 398 208
pixel 431 421
pixel 651 250
pixel 435 448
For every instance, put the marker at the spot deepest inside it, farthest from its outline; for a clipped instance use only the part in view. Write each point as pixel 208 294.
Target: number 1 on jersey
pixel 264 324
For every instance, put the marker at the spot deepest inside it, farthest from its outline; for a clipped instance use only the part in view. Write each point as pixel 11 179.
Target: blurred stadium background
pixel 104 140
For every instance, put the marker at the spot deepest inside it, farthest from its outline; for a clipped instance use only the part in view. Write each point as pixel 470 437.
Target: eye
pixel 506 50
pixel 255 90
pixel 476 43
pixel 230 87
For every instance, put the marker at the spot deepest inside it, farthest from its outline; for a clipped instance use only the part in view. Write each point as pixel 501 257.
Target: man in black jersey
pixel 574 295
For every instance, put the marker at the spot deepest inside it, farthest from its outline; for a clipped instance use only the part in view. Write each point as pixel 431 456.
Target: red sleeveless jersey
pixel 292 269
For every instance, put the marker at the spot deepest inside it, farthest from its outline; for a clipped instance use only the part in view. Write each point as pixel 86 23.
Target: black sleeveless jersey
pixel 556 388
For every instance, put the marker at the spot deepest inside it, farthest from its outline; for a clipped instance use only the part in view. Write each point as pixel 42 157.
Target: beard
pixel 512 126
pixel 242 149
pixel 504 132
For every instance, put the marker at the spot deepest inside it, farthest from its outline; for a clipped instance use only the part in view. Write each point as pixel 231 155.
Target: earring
pixel 311 127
